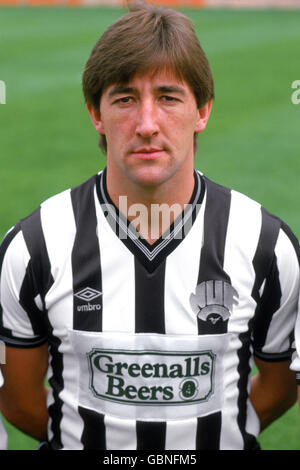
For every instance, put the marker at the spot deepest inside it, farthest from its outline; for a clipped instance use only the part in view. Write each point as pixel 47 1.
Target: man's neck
pixel 152 209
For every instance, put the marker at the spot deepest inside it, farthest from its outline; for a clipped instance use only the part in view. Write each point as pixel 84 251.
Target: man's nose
pixel 147 124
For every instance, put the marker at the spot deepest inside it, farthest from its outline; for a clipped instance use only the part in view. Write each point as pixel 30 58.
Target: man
pixel 148 324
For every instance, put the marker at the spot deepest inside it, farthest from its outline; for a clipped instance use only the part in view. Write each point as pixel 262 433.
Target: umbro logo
pixel 87 294
pixel 213 301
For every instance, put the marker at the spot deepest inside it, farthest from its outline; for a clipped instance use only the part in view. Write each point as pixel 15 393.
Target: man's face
pixel 149 124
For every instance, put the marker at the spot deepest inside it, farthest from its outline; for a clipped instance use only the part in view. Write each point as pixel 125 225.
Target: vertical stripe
pixel 120 433
pixel 56 382
pixel 244 370
pixel 118 283
pixel 11 308
pixel 181 435
pixel 26 299
pixel 280 335
pixel 59 229
pixel 87 278
pixel 87 288
pixel 149 313
pixel 151 435
pixel 35 241
pixel 149 299
pixel 266 270
pixel 208 432
pixel 243 234
pixel 265 250
pixel 182 269
pixel 268 304
pixel 38 278
pixel 216 217
pixel 93 436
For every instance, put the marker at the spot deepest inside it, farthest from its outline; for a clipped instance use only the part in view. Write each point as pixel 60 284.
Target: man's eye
pixel 169 99
pixel 124 100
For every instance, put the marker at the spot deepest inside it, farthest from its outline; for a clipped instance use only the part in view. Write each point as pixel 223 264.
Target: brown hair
pixel 147 38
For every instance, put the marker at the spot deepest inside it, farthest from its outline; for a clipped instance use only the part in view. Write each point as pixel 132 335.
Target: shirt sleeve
pixel 274 321
pixel 21 313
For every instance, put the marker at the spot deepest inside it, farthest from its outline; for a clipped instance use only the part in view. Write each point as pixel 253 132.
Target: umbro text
pixel 88 308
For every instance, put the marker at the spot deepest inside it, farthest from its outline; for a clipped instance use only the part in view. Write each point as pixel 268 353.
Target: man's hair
pixel 147 38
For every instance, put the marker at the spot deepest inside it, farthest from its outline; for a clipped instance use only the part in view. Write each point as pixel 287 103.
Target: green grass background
pixel 251 144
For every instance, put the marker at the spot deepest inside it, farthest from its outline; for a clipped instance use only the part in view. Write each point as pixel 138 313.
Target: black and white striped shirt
pixel 151 346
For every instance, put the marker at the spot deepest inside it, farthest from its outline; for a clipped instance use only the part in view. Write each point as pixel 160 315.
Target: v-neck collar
pixel 150 255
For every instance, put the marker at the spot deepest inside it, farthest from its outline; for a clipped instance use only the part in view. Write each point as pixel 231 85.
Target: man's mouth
pixel 147 153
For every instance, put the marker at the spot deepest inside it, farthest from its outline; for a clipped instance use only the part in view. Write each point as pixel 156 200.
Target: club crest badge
pixel 213 301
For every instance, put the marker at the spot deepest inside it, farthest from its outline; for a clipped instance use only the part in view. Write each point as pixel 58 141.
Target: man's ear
pixel 203 116
pixel 95 116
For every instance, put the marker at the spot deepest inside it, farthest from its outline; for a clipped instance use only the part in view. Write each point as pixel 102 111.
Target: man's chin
pixel 149 177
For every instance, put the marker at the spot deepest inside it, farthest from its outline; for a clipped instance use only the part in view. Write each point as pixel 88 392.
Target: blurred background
pixel 251 144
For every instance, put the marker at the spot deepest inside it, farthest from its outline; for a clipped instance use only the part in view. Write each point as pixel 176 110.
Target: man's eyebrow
pixel 171 89
pixel 118 90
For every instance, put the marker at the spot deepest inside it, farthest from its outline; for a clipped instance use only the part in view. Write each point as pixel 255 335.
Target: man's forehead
pixel 156 78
